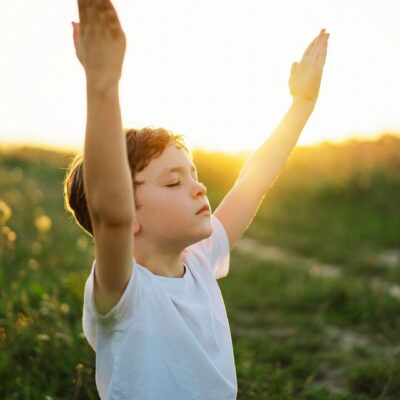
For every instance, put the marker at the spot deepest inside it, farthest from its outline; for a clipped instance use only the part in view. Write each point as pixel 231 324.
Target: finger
pixel 293 69
pixel 82 6
pixel 109 14
pixel 90 12
pixel 99 15
pixel 108 20
pixel 310 47
pixel 87 14
pixel 321 56
pixel 92 17
pixel 320 46
pixel 313 44
pixel 75 33
pixel 112 21
pixel 104 5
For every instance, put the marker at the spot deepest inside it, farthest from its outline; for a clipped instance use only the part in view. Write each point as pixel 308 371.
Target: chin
pixel 207 232
pixel 202 234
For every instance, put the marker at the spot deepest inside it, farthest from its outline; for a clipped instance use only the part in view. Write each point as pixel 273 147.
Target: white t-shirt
pixel 167 338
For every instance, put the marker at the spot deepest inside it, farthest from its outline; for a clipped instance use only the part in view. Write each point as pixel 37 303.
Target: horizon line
pixel 74 149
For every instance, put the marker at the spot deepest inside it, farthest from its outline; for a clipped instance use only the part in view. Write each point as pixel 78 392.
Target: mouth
pixel 204 210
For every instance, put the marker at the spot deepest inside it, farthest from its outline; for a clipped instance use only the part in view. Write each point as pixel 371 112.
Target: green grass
pixel 291 333
pixel 296 335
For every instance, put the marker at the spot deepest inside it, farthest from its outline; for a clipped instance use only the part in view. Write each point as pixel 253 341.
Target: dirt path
pixel 344 340
pixel 314 267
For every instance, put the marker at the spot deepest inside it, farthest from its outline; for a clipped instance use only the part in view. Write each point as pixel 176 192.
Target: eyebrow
pixel 176 169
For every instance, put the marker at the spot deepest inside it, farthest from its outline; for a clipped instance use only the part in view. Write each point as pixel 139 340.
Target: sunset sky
pixel 215 71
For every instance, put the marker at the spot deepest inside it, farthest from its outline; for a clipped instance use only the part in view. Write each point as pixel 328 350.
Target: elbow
pixel 114 210
pixel 112 219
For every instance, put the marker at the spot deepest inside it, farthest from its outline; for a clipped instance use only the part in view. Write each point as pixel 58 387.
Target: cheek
pixel 173 207
pixel 166 208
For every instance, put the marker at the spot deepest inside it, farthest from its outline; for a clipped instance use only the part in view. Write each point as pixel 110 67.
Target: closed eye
pixel 174 184
pixel 178 183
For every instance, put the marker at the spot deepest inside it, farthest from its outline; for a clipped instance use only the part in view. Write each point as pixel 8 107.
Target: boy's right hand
pixel 100 43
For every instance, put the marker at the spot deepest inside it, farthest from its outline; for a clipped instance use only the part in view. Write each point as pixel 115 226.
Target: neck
pixel 168 265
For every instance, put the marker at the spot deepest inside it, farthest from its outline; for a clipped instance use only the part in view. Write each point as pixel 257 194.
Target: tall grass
pixel 297 335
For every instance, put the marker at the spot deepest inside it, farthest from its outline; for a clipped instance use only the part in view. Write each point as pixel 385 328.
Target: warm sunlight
pixel 216 72
pixel 263 262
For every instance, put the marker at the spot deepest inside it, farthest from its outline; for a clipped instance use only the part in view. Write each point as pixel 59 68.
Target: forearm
pixel 107 176
pixel 264 165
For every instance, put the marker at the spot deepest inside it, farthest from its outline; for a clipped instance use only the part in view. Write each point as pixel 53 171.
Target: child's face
pixel 167 214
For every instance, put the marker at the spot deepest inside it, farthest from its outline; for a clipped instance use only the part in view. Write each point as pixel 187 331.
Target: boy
pixel 153 311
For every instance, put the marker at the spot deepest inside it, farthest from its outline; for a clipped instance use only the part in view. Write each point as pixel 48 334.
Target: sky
pixel 215 71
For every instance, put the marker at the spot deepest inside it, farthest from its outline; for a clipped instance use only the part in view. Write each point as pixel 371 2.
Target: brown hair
pixel 142 146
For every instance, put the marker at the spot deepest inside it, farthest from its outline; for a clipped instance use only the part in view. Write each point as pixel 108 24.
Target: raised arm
pixel 100 47
pixel 263 166
pixel 258 174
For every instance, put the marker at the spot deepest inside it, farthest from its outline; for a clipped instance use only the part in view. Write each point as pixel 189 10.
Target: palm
pixel 305 76
pixel 99 41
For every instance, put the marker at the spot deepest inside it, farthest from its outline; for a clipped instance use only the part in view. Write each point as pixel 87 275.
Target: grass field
pixel 313 294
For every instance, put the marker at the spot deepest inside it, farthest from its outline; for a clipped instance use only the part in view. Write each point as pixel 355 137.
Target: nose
pixel 200 189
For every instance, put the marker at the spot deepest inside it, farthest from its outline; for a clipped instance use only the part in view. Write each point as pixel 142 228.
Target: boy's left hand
pixel 305 76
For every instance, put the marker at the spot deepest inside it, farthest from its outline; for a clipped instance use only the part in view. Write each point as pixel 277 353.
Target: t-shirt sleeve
pixel 119 317
pixel 216 248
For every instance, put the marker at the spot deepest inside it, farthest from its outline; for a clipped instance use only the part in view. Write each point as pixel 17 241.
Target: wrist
pixel 102 88
pixel 306 104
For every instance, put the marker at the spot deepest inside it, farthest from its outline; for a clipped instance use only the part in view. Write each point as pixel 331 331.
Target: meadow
pixel 313 293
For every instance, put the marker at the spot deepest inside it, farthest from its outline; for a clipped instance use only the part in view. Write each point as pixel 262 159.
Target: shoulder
pixel 212 251
pixel 137 285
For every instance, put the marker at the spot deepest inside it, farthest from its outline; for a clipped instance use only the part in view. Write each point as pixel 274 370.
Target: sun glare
pixel 225 88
